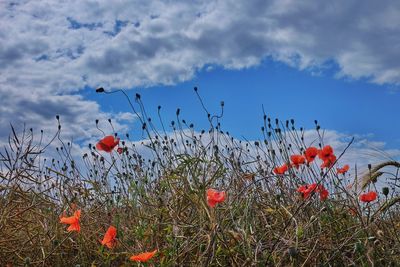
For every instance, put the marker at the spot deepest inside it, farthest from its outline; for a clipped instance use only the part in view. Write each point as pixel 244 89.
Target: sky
pixel 338 63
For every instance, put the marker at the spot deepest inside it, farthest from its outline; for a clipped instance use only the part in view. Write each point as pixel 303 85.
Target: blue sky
pixel 354 107
pixel 337 62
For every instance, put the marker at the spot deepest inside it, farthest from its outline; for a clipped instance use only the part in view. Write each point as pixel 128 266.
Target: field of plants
pixel 190 197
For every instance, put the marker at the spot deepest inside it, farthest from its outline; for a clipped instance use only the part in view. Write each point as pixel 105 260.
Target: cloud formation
pixel 51 50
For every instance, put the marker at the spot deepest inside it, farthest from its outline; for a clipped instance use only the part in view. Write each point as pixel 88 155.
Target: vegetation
pixel 193 199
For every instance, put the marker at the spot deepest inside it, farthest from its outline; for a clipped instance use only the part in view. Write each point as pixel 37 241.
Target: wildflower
pixel 120 150
pixel 297 160
pixel 328 163
pixel 143 257
pixel 281 169
pixel 311 153
pixel 368 197
pixel 109 237
pixel 307 190
pixel 323 193
pixel 107 144
pixel 343 170
pixel 325 153
pixel 73 221
pixel 214 197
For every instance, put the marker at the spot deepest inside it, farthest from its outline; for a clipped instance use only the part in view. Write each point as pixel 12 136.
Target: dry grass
pixel 159 202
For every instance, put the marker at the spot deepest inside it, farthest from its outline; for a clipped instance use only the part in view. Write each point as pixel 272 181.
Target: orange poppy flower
pixel 297 160
pixel 73 221
pixel 107 144
pixel 109 237
pixel 328 163
pixel 281 169
pixel 325 153
pixel 311 153
pixel 343 170
pixel 143 257
pixel 214 197
pixel 368 197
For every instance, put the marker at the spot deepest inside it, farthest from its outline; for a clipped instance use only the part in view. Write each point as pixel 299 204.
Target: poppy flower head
pixel 325 153
pixel 328 163
pixel 143 257
pixel 120 150
pixel 297 160
pixel 307 190
pixel 311 153
pixel 109 237
pixel 214 197
pixel 323 193
pixel 281 169
pixel 368 197
pixel 343 170
pixel 73 221
pixel 107 144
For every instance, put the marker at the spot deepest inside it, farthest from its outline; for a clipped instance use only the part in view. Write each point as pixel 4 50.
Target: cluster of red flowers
pixel 328 159
pixel 311 153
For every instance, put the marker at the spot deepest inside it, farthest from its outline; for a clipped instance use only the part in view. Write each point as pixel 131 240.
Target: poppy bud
pixel 292 121
pixel 222 103
pixel 100 90
pixel 137 96
pixel 183 121
pixel 178 111
pixel 385 191
pixel 293 252
pixel 195 89
pixel 256 143
pixel 369 166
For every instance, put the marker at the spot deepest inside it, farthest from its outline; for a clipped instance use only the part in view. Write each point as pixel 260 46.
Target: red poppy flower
pixel 307 190
pixel 109 237
pixel 323 193
pixel 368 197
pixel 325 153
pixel 107 144
pixel 73 221
pixel 143 257
pixel 297 160
pixel 214 197
pixel 120 150
pixel 281 169
pixel 343 170
pixel 311 153
pixel 328 163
